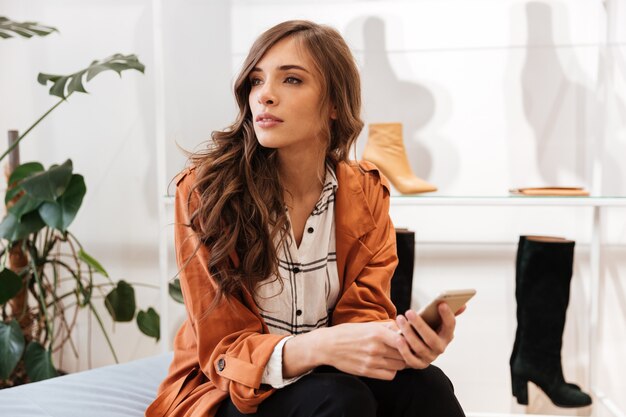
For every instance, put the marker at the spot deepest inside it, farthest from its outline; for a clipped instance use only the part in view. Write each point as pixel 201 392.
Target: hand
pixel 420 345
pixel 363 349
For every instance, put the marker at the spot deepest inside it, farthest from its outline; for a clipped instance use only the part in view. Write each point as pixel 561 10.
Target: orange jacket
pixel 224 351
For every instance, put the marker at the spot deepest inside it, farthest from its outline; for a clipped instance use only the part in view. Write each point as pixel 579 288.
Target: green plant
pixel 8 28
pixel 47 277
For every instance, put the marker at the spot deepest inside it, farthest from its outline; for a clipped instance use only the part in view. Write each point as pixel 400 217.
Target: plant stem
pixel 66 266
pixel 48 244
pixel 106 335
pixel 41 294
pixel 68 330
pixel 32 127
pixel 60 298
pixel 75 275
pixel 80 246
pixel 18 262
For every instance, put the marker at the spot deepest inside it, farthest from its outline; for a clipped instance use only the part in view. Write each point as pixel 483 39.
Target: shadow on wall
pixel 386 98
pixel 562 113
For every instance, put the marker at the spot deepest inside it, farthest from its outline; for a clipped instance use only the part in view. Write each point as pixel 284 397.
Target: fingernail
pixel 400 319
pixel 411 314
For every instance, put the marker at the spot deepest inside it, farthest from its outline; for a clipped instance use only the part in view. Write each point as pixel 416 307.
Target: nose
pixel 266 95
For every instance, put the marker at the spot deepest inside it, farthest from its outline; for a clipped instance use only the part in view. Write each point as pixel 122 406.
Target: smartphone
pixel 454 298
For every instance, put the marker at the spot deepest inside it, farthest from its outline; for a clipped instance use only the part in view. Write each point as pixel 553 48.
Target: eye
pixel 255 81
pixel 293 80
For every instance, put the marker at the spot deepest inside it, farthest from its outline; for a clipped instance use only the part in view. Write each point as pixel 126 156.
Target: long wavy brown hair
pixel 241 206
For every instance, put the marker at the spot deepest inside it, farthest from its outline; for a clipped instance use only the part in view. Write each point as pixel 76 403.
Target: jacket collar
pixel 353 216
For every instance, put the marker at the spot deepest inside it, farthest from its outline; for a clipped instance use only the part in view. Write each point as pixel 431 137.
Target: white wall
pixel 493 94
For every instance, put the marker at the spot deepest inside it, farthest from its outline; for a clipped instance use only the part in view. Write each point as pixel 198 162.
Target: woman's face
pixel 285 100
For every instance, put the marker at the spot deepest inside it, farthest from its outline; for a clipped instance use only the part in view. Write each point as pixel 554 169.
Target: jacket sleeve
pixel 232 346
pixel 366 296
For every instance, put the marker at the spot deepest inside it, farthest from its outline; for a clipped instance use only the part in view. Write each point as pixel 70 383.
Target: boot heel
pixel 520 390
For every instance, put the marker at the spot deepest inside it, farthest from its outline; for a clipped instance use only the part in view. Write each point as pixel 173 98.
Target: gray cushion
pixel 123 390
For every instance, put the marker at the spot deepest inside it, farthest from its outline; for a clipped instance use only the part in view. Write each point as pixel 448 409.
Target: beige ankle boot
pixel 385 149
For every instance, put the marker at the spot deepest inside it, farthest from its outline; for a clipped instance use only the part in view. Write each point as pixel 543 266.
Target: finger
pixel 410 334
pixel 388 336
pixel 460 310
pixel 410 359
pixel 389 342
pixel 384 374
pixel 432 345
pixel 395 364
pixel 386 349
pixel 377 367
pixel 391 325
pixel 448 323
pixel 382 363
pixel 392 353
pixel 415 341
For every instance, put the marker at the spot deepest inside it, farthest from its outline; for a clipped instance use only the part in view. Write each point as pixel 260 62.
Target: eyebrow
pixel 282 68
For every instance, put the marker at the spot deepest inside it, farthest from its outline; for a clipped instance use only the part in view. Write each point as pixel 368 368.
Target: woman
pixel 286 252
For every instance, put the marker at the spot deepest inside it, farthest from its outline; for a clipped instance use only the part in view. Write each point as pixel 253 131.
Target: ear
pixel 333 113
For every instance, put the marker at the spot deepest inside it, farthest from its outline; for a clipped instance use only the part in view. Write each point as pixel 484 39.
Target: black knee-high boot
pixel 543 275
pixel 518 289
pixel 402 281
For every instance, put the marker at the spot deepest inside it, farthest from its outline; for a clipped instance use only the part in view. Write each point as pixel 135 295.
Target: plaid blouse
pixel 310 282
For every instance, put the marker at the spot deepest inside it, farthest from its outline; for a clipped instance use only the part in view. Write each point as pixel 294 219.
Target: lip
pixel 266 120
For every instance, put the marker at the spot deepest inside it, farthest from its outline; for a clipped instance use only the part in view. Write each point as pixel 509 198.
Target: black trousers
pixel 328 392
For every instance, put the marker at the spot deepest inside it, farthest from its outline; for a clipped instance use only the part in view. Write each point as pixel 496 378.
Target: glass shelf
pixel 505 200
pixel 502 200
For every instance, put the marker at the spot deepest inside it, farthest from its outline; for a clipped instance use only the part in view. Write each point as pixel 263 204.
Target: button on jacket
pixel 223 352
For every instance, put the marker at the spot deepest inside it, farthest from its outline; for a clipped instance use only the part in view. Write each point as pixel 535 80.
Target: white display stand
pixel 598 204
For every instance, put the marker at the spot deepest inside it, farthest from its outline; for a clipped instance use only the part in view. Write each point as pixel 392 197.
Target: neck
pixel 302 175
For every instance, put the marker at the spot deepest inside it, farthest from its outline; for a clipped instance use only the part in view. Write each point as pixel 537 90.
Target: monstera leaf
pixel 10 285
pixel 59 214
pixel 74 82
pixel 38 362
pixel 51 184
pixel 23 171
pixel 175 291
pixel 11 347
pixel 50 197
pixel 120 302
pixel 8 28
pixel 13 228
pixel 25 205
pixel 149 323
